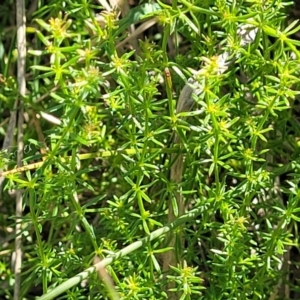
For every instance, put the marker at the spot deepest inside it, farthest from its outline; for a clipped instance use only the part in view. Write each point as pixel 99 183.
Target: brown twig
pixel 21 46
pixel 172 257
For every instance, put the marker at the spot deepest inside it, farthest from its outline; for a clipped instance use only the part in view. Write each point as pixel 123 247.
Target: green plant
pixel 96 176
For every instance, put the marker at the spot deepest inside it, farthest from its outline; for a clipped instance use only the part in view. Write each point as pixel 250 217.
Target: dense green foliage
pixel 100 114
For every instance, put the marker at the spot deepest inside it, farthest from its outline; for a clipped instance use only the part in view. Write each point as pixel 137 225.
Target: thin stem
pixel 116 256
pixel 21 46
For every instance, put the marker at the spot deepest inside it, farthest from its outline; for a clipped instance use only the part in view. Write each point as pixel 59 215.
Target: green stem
pixel 113 257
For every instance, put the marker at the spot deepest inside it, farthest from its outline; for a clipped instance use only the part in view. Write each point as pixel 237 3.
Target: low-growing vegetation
pixel 88 150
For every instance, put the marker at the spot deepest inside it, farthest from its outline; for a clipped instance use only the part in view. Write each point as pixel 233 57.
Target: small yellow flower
pixel 59 27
